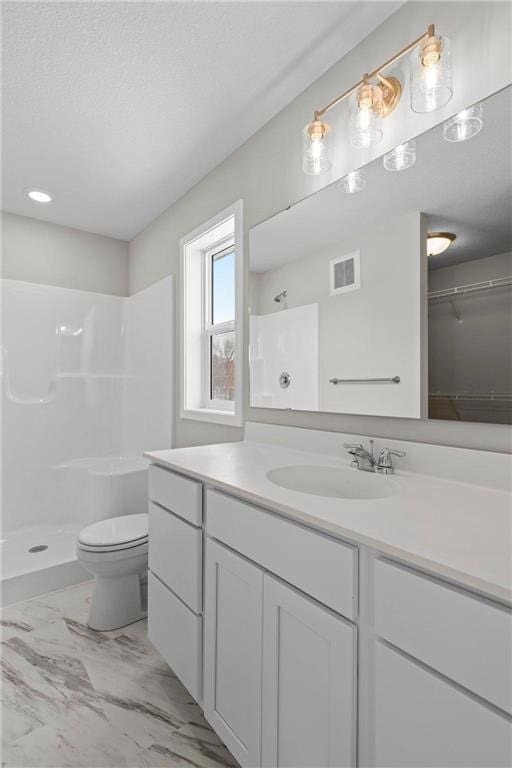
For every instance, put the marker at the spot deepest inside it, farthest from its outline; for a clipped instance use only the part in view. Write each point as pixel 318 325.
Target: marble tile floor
pixel 75 697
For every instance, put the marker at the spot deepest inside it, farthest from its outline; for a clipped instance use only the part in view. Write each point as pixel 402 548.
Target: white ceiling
pixel 118 108
pixel 464 188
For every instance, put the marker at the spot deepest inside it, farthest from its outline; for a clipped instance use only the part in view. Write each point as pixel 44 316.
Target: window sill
pixel 228 418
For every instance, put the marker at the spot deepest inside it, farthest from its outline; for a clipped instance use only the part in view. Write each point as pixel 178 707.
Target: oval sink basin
pixel 333 482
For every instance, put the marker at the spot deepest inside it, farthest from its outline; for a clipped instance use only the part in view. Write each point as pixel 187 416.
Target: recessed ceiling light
pixel 437 242
pixel 38 195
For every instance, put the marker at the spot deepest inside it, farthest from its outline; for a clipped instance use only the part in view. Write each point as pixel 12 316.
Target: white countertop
pixel 457 530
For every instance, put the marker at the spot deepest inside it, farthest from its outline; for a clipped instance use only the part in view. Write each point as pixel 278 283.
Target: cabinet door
pixel 309 682
pixel 233 647
pixel 423 720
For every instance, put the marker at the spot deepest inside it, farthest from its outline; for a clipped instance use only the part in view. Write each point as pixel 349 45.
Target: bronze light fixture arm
pixel 376 72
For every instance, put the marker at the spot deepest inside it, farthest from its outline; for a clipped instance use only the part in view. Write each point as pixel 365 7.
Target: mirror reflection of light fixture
pixel 465 124
pixel 438 242
pixel 431 74
pixel 354 181
pixel 376 96
pixel 316 152
pixel 401 157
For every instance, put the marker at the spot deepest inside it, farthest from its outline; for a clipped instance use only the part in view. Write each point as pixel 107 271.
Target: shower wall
pixel 84 375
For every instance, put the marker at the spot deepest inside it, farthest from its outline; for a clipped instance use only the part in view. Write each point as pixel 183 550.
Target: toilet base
pixel 118 601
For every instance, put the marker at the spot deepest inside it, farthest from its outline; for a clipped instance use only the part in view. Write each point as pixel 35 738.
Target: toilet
pixel 116 552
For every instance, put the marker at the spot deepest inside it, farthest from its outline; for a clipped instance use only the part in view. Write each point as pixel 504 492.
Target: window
pixel 212 312
pixel 219 326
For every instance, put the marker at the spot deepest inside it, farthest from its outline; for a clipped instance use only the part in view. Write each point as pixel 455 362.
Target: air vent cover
pixel 345 273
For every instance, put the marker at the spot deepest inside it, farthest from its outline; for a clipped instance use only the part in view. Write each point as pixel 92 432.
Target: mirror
pixel 350 315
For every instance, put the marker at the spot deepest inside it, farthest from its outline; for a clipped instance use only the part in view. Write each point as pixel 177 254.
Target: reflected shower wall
pixel 284 359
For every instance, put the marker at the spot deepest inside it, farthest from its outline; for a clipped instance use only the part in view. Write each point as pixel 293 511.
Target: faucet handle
pixel 352 446
pixel 385 464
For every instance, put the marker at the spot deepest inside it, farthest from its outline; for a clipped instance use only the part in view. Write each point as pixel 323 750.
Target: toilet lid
pixel 116 530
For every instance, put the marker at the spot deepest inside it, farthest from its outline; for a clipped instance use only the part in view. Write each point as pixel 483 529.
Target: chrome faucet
pixel 364 459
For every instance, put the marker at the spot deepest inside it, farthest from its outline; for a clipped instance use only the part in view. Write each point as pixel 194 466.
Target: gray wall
pixel 266 173
pixel 39 252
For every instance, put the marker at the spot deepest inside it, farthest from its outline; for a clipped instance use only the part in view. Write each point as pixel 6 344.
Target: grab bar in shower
pixel 393 380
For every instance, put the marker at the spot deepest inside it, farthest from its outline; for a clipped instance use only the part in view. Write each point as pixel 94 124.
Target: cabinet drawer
pixel 463 637
pixel 175 555
pixel 176 633
pixel 318 565
pixel 179 494
pixel 422 720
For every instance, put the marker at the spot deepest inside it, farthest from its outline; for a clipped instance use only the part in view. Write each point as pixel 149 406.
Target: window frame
pixel 191 328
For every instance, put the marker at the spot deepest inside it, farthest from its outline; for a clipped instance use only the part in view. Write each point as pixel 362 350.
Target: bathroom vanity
pixel 370 626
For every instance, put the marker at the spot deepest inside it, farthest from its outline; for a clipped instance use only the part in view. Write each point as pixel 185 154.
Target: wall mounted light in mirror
pixel 434 260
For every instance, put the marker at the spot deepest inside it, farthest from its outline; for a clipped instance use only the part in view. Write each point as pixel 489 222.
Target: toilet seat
pixel 115 534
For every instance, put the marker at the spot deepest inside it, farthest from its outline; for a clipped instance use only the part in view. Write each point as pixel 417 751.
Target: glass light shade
pixel 316 148
pixel 401 157
pixel 431 74
pixel 365 123
pixel 465 124
pixel 438 242
pixel 354 181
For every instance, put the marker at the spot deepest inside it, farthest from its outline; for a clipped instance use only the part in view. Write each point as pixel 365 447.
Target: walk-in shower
pixel 87 386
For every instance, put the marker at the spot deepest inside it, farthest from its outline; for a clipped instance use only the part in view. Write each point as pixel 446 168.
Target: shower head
pixel 280 296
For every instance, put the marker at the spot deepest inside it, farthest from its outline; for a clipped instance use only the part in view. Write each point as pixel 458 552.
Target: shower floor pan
pixel 39 559
pixel 26 574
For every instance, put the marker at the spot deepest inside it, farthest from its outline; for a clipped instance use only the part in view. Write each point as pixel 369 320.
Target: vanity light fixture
pixel 400 158
pixel 376 96
pixel 438 242
pixel 38 195
pixel 354 181
pixel 465 124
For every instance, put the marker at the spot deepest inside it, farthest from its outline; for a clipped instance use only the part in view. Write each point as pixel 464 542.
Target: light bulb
pixel 316 153
pixel 401 157
pixel 365 124
pixel 465 124
pixel 354 181
pixel 431 74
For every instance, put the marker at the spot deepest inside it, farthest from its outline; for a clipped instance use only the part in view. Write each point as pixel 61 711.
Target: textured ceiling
pixel 464 188
pixel 119 108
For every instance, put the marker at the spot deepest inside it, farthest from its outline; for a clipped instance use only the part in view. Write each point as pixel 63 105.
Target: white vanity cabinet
pixel 307 651
pixel 279 669
pixel 279 666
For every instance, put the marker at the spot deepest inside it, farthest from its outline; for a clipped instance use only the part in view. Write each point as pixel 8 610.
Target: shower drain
pixel 39 548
